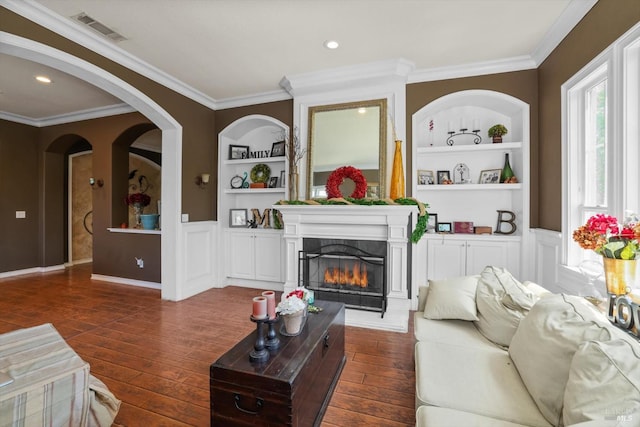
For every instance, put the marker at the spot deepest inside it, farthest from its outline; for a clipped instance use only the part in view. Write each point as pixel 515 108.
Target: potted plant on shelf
pixel 496 132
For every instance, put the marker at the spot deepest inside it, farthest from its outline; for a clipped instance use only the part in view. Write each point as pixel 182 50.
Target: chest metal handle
pixel 259 404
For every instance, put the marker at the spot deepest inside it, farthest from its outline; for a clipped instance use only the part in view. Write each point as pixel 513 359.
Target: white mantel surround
pixel 355 222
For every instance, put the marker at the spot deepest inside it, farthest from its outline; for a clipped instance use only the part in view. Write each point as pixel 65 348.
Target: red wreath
pixel 337 177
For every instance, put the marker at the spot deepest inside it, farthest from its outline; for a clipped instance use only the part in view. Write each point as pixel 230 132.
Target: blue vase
pixel 149 221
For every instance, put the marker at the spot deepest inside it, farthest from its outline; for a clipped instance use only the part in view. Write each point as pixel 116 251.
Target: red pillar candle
pixel 259 307
pixel 271 303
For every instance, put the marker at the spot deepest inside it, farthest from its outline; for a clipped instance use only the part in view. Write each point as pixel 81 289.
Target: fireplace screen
pixel 345 273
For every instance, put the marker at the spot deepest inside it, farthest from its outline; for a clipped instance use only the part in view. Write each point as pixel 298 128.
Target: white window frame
pixel 621 62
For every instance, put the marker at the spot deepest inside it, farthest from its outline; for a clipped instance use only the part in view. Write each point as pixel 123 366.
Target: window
pixel 600 140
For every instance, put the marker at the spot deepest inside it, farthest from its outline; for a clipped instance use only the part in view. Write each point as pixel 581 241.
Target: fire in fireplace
pixel 352 272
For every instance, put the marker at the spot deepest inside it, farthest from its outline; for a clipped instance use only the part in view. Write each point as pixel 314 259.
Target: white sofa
pixel 553 360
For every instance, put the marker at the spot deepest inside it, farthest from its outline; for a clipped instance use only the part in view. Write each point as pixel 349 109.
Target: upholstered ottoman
pixel 51 383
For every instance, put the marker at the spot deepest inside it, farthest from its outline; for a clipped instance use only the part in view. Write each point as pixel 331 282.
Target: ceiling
pixel 229 50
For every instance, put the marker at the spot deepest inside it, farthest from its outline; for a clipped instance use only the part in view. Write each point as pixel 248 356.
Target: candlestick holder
pixel 273 342
pixel 477 139
pixel 259 354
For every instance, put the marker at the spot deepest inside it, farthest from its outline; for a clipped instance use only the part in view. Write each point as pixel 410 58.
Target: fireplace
pixel 350 271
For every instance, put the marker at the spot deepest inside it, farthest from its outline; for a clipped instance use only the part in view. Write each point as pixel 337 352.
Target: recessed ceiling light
pixel 331 44
pixel 43 79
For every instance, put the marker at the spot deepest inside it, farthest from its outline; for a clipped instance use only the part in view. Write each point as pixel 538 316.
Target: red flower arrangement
pixel 337 177
pixel 138 199
pixel 603 234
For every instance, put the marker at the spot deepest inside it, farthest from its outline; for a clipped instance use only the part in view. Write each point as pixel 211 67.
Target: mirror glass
pixel 351 134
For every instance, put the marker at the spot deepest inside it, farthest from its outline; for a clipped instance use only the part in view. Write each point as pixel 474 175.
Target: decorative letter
pixel 264 219
pixel 511 221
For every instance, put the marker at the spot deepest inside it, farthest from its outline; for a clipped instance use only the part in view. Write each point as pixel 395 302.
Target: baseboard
pixel 33 270
pixel 125 281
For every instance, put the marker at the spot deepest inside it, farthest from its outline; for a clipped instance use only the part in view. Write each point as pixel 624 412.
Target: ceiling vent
pixel 98 27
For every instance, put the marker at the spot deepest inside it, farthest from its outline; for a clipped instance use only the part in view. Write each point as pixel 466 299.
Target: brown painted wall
pixel 521 84
pixel 281 110
pixel 606 22
pixel 19 191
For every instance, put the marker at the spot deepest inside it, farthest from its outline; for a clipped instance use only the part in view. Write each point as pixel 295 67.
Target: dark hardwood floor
pixel 155 355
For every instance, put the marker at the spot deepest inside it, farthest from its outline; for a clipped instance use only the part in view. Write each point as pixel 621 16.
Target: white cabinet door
pixel 445 258
pixel 240 255
pixel 268 257
pixel 498 254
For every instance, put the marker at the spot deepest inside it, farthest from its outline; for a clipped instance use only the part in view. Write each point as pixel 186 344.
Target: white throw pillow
pixel 545 342
pixel 452 299
pixel 604 383
pixel 502 302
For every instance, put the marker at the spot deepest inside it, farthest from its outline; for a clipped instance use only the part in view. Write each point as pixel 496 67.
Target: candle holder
pixel 273 342
pixel 259 353
pixel 477 139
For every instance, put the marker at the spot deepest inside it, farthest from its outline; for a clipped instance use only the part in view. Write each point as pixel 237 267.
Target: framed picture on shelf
pixel 444 227
pixel 237 152
pixel 490 176
pixel 277 149
pixel 425 177
pixel 432 223
pixel 282 179
pixel 444 177
pixel 237 217
pixel 273 182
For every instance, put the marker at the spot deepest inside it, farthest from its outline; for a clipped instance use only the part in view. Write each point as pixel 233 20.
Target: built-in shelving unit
pixel 476 111
pixel 257 254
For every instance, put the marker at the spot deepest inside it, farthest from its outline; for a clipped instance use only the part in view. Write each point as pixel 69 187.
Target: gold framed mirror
pixel 349 134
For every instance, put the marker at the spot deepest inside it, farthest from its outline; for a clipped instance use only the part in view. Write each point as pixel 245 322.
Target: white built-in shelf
pixel 254 160
pixel 470 187
pixel 133 231
pixel 253 190
pixel 470 148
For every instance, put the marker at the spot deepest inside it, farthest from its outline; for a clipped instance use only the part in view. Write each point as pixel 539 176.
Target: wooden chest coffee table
pixel 293 387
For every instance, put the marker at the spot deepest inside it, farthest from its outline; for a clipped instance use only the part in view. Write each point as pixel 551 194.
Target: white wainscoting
pixel 199 254
pixel 546 254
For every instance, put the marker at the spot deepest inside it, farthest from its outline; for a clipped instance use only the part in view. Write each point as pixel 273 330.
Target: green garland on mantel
pixel 423 215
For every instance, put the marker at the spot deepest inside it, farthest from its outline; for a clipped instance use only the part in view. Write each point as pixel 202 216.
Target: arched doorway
pixel 171 142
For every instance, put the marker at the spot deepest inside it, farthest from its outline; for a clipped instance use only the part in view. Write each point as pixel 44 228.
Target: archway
pixel 171 141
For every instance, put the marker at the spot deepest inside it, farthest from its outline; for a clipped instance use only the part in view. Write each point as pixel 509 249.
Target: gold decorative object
pixel 620 275
pixel 396 187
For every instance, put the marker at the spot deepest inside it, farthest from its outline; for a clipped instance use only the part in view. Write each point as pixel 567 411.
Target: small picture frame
pixel 238 152
pixel 443 176
pixel 273 182
pixel 425 177
pixel 432 223
pixel 277 149
pixel 490 176
pixel 444 227
pixel 237 217
pixel 281 179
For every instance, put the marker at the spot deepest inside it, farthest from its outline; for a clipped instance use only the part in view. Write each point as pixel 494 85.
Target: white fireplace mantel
pixel 355 222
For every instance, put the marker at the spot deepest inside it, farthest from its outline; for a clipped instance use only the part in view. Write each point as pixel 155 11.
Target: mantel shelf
pixel 469 187
pixel 470 148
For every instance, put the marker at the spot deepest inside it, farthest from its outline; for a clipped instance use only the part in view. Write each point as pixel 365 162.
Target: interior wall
pixel 604 23
pixel 281 110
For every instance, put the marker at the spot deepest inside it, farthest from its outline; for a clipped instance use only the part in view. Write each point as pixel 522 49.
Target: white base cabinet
pixel 453 256
pixel 254 254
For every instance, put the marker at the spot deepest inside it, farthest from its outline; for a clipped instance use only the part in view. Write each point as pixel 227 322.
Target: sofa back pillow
pixel 545 342
pixel 502 302
pixel 452 299
pixel 604 383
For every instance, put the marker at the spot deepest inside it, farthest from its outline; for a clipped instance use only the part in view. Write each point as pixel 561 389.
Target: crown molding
pixel 260 98
pixel 39 14
pixel 76 116
pixel 353 76
pixel 573 13
pixel 506 65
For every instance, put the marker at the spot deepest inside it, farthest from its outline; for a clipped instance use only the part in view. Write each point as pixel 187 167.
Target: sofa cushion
pixel 432 416
pixel 481 381
pixel 545 342
pixel 448 332
pixel 502 301
pixel 604 382
pixel 452 299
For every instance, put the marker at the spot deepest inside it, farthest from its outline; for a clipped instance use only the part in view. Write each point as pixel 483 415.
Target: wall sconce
pixel 202 179
pixel 93 182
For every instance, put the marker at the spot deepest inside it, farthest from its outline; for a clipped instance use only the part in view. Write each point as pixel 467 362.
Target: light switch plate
pixel 185 217
pixel 21 214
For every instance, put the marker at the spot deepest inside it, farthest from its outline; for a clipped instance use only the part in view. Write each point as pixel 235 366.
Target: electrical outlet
pixel 185 217
pixel 140 262
pixel 21 214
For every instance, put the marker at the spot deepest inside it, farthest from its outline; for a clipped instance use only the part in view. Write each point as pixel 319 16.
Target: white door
pixel 446 258
pixel 240 257
pixel 268 256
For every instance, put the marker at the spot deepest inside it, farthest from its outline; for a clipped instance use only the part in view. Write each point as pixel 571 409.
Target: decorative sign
pixel 624 313
pixel 259 154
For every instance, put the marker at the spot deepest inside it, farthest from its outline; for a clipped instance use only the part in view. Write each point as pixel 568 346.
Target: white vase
pixel 293 322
